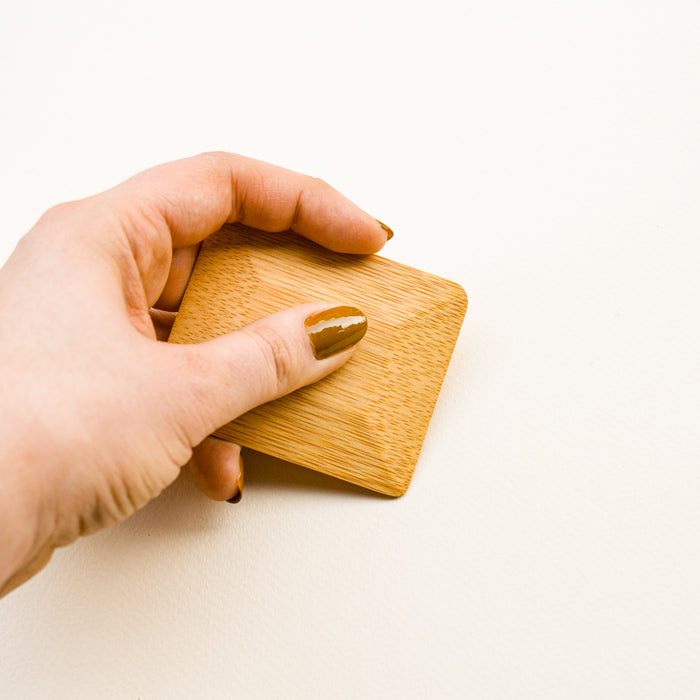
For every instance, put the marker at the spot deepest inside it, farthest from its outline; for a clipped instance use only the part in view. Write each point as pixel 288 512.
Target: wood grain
pixel 366 422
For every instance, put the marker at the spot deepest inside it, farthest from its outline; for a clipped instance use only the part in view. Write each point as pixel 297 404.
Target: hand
pixel 98 415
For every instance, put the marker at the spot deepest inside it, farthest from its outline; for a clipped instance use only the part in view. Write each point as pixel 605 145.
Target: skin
pixel 99 415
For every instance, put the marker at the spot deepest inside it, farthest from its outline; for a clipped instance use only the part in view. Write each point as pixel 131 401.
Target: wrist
pixel 24 540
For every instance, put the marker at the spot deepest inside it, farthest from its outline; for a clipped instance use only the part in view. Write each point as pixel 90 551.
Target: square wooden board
pixel 366 422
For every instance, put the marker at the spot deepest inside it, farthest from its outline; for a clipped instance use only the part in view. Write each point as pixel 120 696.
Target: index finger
pixel 194 197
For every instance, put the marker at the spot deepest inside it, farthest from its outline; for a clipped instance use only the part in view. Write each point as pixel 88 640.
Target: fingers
pixel 194 197
pixel 180 270
pixel 150 224
pixel 221 379
pixel 218 469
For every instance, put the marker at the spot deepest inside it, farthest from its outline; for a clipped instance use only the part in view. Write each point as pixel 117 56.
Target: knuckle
pixel 213 155
pixel 278 356
pixel 217 158
pixel 320 184
pixel 54 225
pixel 59 212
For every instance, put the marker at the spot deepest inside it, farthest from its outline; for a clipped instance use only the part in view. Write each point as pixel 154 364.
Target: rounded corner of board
pixel 460 295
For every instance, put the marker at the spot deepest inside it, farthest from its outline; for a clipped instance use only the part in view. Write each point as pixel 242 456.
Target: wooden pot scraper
pixel 366 422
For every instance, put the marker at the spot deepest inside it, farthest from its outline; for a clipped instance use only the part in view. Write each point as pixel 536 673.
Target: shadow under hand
pixel 183 509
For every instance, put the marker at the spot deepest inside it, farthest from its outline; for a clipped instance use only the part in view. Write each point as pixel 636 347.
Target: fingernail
pixel 239 485
pixel 387 230
pixel 335 329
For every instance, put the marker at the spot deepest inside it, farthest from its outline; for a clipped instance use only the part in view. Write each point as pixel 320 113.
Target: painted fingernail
pixel 239 485
pixel 387 230
pixel 335 329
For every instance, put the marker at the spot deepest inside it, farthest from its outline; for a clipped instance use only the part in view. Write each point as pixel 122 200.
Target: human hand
pixel 98 414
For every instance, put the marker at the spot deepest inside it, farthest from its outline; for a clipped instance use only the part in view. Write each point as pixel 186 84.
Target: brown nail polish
pixel 335 329
pixel 239 484
pixel 387 230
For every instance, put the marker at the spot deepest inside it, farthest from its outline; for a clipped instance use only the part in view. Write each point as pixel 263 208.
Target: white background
pixel 546 155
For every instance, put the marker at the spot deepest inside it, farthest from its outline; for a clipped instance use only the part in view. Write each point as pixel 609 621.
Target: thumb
pixel 228 375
